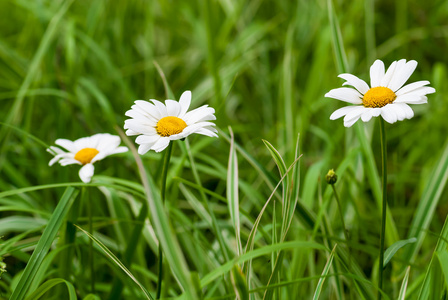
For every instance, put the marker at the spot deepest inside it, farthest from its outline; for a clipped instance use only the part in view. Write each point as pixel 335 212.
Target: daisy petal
pixel 55 159
pixel 144 118
pixel 422 91
pixel 351 122
pixel 411 98
pixel 160 107
pixel 376 73
pixel 161 144
pixel 86 173
pixel 398 110
pixel 147 139
pixel 143 148
pixel 139 127
pixel 67 144
pixel 185 101
pixel 207 132
pixel 120 149
pixel 148 108
pixel 353 116
pixel 345 94
pixel 355 82
pixel 69 161
pixel 388 114
pixel 411 87
pixel 172 107
pixel 389 73
pixel 199 114
pixel 341 112
pixel 367 115
pixel 402 75
pixel 406 109
pixel 130 132
pixel 376 112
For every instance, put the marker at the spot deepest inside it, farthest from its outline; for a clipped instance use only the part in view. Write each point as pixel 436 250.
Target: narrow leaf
pixel 325 271
pixel 44 243
pixel 116 261
pixel 232 192
pixel 390 252
pixel 404 285
pixel 49 285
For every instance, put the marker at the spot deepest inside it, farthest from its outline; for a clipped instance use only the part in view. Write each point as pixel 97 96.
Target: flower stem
pixel 166 162
pixel 384 204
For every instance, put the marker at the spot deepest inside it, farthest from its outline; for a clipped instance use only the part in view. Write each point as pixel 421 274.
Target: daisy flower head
pixel 386 95
pixel 156 124
pixel 85 152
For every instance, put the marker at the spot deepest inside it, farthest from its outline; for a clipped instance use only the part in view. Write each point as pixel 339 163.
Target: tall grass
pixel 249 213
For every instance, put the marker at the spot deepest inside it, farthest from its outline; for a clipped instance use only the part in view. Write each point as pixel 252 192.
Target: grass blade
pixel 45 242
pixel 390 252
pixel 443 260
pixel 427 205
pixel 116 261
pixel 232 193
pixel 431 284
pixel 404 284
pixel 49 285
pixel 207 279
pixel 325 271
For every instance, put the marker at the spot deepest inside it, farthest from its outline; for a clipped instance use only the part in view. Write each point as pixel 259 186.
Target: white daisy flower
pixel 86 151
pixel 386 95
pixel 156 124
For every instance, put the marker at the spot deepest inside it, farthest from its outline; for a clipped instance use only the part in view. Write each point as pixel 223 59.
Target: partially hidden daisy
pixel 386 95
pixel 156 124
pixel 86 151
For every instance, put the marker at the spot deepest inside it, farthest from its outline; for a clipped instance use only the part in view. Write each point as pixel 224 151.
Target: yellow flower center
pixel 378 97
pixel 86 155
pixel 170 125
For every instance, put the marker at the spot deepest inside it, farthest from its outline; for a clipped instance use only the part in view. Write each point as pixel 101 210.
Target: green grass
pixel 249 213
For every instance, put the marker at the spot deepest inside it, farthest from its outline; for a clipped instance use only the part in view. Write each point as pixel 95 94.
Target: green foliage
pixel 249 214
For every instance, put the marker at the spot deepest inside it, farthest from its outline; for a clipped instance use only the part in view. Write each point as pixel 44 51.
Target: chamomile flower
pixel 86 151
pixel 156 124
pixel 386 95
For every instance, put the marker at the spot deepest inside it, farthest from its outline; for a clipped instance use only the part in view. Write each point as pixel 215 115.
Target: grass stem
pixel 384 205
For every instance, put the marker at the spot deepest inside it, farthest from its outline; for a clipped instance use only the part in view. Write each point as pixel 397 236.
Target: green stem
pixel 384 204
pixel 166 162
pixel 89 214
pixel 349 266
pixel 340 214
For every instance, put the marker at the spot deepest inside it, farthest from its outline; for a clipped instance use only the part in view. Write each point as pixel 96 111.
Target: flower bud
pixel 331 177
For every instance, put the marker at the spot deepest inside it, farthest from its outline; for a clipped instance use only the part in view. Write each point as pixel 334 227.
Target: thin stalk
pixel 166 162
pixel 345 233
pixel 89 214
pixel 340 214
pixel 384 205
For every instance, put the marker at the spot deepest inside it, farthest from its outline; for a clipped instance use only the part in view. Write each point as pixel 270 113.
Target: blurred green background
pixel 72 68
